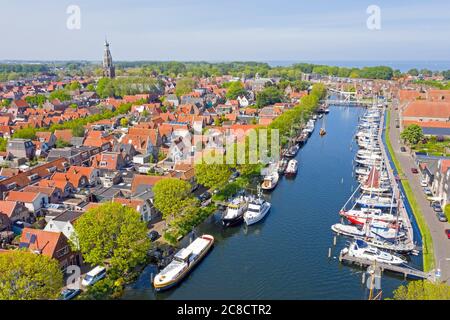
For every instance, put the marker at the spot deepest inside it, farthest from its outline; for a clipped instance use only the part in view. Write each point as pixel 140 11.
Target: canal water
pixel 286 255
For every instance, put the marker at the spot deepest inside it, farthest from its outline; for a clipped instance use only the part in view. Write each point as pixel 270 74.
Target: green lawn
pixel 434 147
pixel 427 241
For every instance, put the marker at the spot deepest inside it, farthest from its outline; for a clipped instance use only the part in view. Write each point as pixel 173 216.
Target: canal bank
pixel 285 256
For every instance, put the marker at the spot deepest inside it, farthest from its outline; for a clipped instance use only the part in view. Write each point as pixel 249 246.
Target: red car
pixel 447 233
pixel 414 170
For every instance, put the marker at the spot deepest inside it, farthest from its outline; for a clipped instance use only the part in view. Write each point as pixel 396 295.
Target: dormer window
pixel 51 169
pixel 33 177
pixel 11 186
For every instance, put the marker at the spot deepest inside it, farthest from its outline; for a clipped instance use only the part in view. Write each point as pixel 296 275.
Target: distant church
pixel 108 67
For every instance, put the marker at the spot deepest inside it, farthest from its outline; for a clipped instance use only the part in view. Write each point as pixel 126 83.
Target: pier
pixel 407 272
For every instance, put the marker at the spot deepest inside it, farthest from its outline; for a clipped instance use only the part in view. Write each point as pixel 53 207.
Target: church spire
pixel 108 67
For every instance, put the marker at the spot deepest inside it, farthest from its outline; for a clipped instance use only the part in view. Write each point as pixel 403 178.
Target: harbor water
pixel 285 256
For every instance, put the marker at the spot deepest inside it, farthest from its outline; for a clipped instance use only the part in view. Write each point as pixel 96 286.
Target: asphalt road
pixel 441 243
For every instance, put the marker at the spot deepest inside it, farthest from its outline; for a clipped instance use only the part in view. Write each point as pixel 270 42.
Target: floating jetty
pixel 406 271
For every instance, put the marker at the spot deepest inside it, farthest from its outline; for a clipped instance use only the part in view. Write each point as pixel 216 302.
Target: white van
pixel 93 276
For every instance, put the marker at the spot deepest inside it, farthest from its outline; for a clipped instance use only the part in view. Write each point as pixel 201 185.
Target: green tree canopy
pixel 235 90
pixel 25 133
pixel 28 276
pixel 62 144
pixel 78 130
pixel 115 233
pixel 61 95
pixel 184 86
pixel 212 175
pixel 124 122
pixel 412 134
pixel 172 196
pixel 3 144
pixel 74 85
pixel 268 95
pixel 37 100
pixel 413 72
pixel 423 290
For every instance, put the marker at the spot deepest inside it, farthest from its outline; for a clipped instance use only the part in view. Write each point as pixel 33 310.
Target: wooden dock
pixel 407 272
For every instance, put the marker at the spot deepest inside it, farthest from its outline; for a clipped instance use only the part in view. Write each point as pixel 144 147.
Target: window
pixel 11 186
pixel 62 252
pixel 103 163
pixel 51 169
pixel 33 177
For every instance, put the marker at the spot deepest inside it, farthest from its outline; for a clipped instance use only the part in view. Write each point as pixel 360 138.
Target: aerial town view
pixel 212 150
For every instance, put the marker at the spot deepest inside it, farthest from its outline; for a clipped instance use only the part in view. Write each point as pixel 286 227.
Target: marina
pixel 285 255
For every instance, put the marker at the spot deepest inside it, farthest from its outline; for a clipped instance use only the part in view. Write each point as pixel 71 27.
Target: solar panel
pixel 33 238
pixel 23 245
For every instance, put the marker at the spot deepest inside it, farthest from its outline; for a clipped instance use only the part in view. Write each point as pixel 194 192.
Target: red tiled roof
pixel 46 242
pixel 427 109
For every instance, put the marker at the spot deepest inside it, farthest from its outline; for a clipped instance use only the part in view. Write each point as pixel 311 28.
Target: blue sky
pixel 226 30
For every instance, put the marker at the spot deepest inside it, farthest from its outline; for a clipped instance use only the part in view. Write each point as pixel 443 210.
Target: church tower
pixel 108 67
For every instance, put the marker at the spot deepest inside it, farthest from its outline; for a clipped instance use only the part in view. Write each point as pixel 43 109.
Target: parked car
pixel 153 235
pixel 402 149
pixel 204 196
pixel 427 191
pixel 423 183
pixel 414 170
pixel 69 294
pixel 441 216
pixel 93 276
pixel 436 206
pixel 447 232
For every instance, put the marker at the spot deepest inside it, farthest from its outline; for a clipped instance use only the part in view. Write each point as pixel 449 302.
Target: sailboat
pixel 322 131
pixel 373 183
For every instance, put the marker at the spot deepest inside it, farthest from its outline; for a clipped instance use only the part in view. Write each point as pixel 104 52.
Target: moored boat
pixel 258 208
pixel 270 181
pixel 234 213
pixel 183 262
pixel 292 168
pixel 361 249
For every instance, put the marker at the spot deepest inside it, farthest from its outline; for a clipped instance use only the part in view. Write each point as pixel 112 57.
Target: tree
pixel 90 87
pixel 172 196
pixel 184 86
pixel 115 233
pixel 446 74
pixel 62 144
pixel 28 276
pixel 212 175
pixel 78 130
pixel 37 100
pixel 124 122
pixel 319 90
pixel 423 290
pixel 268 95
pixel 235 90
pixel 412 134
pixel 413 72
pixel 25 133
pixel 3 144
pixel 61 95
pixel 75 85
